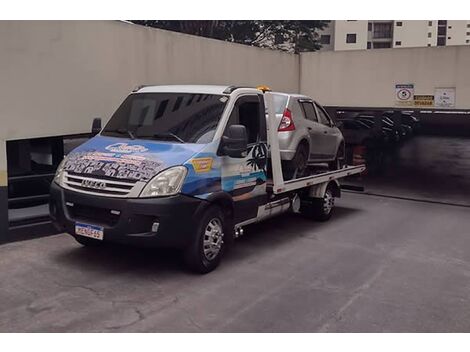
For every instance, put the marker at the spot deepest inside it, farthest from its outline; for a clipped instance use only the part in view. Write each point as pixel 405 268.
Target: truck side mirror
pixel 235 142
pixel 96 126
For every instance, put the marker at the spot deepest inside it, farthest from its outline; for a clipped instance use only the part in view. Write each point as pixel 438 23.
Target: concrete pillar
pixel 3 192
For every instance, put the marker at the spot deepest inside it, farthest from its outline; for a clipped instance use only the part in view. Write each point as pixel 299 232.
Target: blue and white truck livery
pixel 184 166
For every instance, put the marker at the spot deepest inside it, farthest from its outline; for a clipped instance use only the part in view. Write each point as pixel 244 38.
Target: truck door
pixel 245 178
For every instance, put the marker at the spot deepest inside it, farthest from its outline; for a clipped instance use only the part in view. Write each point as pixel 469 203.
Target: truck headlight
pixel 166 183
pixel 60 174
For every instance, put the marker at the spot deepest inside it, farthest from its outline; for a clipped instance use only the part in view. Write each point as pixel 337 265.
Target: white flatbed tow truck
pixel 187 167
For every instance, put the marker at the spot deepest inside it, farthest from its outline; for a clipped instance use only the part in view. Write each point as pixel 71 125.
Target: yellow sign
pixel 424 100
pixel 202 164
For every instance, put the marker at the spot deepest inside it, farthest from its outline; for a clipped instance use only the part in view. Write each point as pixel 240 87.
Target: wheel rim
pixel 328 202
pixel 213 238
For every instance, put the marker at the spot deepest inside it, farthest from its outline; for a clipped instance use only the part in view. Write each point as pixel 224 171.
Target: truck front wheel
pixel 320 209
pixel 205 252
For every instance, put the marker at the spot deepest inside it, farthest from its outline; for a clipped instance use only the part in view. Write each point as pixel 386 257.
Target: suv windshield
pixel 175 117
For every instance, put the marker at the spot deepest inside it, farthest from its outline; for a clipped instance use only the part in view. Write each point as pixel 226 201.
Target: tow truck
pixel 188 167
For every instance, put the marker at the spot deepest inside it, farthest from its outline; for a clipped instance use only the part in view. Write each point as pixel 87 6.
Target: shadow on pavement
pixel 261 237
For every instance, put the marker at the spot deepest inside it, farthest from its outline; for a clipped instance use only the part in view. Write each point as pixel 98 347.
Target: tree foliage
pixel 291 36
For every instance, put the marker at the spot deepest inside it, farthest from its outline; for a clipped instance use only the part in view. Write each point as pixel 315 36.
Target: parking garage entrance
pixel 430 164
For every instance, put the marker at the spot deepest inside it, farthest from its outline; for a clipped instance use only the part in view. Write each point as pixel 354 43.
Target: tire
pixel 338 163
pixel 296 167
pixel 200 256
pixel 88 242
pixel 320 209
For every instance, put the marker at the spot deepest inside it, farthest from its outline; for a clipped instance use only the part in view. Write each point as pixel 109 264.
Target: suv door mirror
pixel 235 143
pixel 96 126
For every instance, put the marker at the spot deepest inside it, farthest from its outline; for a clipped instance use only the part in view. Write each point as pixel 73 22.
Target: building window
pixel 449 38
pixel 399 24
pixel 382 30
pixel 382 45
pixel 429 23
pixel 450 27
pixel 369 27
pixel 441 41
pixel 351 38
pixel 468 33
pixel 442 23
pixel 398 43
pixel 468 25
pixel 429 35
pixel 369 45
pixel 467 41
pixel 429 44
pixel 325 39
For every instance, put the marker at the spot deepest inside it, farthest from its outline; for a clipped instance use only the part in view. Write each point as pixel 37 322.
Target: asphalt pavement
pixel 379 265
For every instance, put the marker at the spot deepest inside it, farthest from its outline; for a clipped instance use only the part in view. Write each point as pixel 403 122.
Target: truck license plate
pixel 91 231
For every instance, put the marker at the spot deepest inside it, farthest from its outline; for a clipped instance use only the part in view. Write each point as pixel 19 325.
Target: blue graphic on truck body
pixel 141 160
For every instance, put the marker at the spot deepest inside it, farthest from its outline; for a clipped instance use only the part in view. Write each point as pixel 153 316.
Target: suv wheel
pixel 296 167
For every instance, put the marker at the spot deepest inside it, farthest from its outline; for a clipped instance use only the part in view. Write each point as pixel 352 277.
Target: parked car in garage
pixel 307 134
pixel 386 126
pixel 410 122
pixel 358 132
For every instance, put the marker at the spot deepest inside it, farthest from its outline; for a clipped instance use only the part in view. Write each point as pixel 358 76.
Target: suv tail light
pixel 287 124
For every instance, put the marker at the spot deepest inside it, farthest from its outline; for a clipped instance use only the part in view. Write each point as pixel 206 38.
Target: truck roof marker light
pixel 263 88
pixel 286 124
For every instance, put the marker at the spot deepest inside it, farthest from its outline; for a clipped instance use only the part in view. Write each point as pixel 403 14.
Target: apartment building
pixel 358 35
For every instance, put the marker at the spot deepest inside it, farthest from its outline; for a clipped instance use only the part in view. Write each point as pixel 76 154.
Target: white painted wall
pixel 414 34
pixel 368 77
pixel 57 75
pixel 457 32
pixel 342 28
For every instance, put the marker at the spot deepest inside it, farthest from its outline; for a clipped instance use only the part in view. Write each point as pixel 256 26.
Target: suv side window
pixel 324 118
pixel 309 110
pixel 246 112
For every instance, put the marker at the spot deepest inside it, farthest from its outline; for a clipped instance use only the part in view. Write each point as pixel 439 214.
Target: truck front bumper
pixel 163 222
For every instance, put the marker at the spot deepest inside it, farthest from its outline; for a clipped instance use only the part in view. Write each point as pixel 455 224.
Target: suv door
pixel 331 134
pixel 316 130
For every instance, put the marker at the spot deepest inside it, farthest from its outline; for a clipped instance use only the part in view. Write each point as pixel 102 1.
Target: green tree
pixel 291 36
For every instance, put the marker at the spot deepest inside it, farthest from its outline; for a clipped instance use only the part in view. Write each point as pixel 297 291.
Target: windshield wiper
pixel 122 131
pixel 167 135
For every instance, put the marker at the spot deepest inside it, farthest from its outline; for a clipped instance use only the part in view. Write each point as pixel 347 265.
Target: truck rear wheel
pixel 205 252
pixel 320 209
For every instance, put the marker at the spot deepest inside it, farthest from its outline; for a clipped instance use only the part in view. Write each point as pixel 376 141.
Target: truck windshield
pixel 174 117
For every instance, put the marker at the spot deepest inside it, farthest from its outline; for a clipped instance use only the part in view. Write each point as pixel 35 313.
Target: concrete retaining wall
pixel 58 75
pixel 367 78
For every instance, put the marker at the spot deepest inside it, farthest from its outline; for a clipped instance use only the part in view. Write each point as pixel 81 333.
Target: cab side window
pixel 246 112
pixel 324 118
pixel 309 111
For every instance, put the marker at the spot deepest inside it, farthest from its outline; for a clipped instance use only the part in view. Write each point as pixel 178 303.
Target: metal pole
pixel 273 141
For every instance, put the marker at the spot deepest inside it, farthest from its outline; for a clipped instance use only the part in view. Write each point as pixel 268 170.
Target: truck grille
pixel 94 215
pixel 98 186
